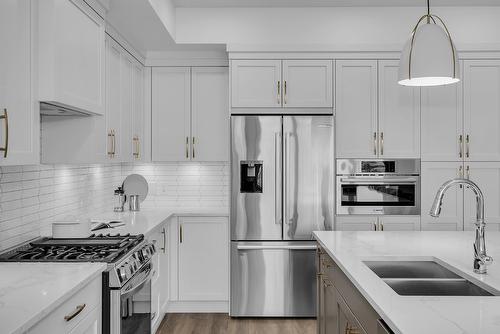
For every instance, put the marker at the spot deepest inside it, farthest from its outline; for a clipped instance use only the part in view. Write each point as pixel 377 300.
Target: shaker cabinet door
pixel 398 114
pixel 356 108
pixel 256 84
pixel 442 123
pixel 171 114
pixel 482 110
pixel 307 83
pixel 210 114
pixel 20 122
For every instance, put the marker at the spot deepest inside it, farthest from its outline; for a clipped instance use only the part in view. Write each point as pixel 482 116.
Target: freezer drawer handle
pixel 293 247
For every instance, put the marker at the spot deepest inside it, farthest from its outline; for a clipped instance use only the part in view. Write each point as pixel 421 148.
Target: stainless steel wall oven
pixel 385 187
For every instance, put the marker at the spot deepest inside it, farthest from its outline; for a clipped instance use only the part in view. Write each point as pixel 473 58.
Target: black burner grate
pixel 96 248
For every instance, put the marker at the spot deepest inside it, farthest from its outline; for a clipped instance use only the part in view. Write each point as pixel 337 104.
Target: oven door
pixel 131 305
pixel 384 195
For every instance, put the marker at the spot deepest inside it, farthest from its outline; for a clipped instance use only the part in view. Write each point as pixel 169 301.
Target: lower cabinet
pixel 341 308
pixel 377 223
pixel 199 279
pixel 80 314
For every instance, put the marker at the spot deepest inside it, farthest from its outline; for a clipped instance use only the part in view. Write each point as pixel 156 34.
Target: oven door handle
pixel 379 181
pixel 130 290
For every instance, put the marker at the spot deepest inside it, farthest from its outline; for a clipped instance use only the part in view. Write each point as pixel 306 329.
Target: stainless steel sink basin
pixel 436 287
pixel 409 269
pixel 424 278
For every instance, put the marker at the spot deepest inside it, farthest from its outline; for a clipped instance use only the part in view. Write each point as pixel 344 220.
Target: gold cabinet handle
pixel 113 134
pixel 76 312
pixel 138 145
pixel 375 143
pixel 467 171
pixel 382 143
pixel 326 283
pixel 180 234
pixel 326 264
pixel 374 226
pixel 461 174
pixel 382 226
pixel 110 144
pixel 5 117
pixel 467 146
pixel 460 144
pixel 187 147
pixel 284 95
pixel 278 98
pixel 351 329
pixel 194 142
pixel 164 248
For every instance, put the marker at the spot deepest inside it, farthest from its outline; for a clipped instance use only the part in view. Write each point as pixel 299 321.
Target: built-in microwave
pixel 378 187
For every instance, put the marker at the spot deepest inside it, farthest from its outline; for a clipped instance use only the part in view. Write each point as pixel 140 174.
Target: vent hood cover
pixel 59 109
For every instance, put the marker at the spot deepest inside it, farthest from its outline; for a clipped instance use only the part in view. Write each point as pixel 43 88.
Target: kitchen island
pixel 367 296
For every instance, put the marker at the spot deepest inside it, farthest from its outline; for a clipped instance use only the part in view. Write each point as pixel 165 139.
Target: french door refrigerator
pixel 282 188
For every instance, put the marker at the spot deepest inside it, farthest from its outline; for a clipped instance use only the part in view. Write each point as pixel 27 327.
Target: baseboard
pixel 197 307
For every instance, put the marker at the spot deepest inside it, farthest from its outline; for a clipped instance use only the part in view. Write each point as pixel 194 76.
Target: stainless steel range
pixel 126 282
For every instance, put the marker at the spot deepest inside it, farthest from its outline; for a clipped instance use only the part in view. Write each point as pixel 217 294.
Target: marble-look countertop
pixel 30 291
pixel 146 220
pixel 420 314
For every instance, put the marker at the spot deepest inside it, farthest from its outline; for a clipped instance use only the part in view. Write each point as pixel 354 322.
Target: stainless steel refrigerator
pixel 282 188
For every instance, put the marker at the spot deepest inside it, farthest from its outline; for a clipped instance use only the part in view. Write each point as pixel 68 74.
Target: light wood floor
pixel 208 323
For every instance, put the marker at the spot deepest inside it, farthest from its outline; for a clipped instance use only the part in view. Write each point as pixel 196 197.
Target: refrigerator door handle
pixel 277 186
pixel 286 171
pixel 292 247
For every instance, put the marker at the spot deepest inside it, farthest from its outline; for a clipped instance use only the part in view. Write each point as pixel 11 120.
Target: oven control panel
pixel 131 264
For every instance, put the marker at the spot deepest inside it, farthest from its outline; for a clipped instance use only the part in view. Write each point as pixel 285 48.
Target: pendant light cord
pixel 428 11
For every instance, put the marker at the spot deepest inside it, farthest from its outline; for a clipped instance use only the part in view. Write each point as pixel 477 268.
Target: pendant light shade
pixel 429 58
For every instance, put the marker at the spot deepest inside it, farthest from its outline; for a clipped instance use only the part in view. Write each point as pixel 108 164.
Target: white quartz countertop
pixel 146 220
pixel 420 314
pixel 30 291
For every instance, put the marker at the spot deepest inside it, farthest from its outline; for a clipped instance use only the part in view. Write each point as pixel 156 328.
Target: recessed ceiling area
pixel 329 3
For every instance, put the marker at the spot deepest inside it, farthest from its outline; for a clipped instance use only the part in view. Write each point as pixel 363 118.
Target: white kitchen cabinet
pixel 482 110
pixel 190 116
pixel 442 123
pixel 376 117
pixel 398 223
pixel 377 223
pixel 307 83
pixel 139 139
pixel 272 84
pixel 433 175
pixel 71 54
pixel 210 114
pixel 487 176
pixel 113 99
pixel 171 116
pixel 398 114
pixel 356 108
pixel 17 90
pixel 355 223
pixel 203 259
pixel 84 309
pixel 256 83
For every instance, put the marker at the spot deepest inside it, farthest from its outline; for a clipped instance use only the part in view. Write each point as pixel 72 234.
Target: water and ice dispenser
pixel 251 176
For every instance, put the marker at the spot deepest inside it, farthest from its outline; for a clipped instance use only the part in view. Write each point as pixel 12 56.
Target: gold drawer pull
pixel 5 117
pixel 76 312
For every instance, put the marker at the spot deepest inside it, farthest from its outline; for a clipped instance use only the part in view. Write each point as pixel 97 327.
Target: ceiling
pixel 329 3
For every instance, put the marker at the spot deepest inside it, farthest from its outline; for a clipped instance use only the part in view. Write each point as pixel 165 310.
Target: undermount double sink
pixel 425 278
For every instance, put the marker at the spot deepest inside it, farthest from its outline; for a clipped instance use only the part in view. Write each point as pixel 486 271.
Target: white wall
pixel 382 26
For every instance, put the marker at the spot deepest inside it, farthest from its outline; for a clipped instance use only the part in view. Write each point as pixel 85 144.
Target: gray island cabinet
pixel 341 308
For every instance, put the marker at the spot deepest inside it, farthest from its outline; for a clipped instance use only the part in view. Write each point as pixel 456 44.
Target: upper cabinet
pixel 190 118
pixel 482 110
pixel 462 122
pixel 376 117
pixel 71 54
pixel 19 115
pixel 281 84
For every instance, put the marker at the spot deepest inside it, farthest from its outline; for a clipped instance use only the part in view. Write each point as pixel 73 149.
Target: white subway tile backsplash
pixel 32 197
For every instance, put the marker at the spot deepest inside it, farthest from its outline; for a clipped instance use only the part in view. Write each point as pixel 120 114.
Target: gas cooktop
pixel 96 248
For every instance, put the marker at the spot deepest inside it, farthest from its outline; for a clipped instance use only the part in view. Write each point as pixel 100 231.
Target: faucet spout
pixel 481 259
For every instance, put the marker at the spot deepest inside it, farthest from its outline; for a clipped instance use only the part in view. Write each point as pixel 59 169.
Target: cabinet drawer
pixel 352 324
pixel 365 314
pixel 55 322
